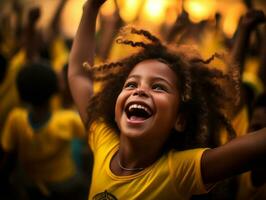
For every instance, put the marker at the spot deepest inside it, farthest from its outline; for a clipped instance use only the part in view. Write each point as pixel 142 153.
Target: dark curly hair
pixel 204 96
pixel 36 83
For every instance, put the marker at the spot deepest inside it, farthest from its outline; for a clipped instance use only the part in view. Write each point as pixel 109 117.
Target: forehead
pixel 154 68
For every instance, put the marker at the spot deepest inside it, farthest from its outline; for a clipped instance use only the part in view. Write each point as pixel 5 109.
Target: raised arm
pixel 246 25
pixel 112 23
pixel 54 26
pixel 83 51
pixel 33 41
pixel 56 18
pixel 18 11
pixel 235 157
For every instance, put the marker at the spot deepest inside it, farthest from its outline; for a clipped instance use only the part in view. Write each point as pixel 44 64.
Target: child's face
pixel 148 104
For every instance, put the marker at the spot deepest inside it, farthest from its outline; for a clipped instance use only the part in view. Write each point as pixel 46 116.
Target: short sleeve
pixel 100 134
pixel 185 166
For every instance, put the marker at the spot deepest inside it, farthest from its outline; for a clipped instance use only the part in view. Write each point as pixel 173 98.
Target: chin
pixel 132 133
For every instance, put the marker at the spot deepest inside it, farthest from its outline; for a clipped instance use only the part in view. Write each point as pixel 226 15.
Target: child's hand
pixel 253 18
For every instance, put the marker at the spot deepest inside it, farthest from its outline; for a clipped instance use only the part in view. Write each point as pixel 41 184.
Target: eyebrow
pixel 155 78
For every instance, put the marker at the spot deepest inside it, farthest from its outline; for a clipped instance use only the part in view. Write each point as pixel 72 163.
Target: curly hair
pixel 203 97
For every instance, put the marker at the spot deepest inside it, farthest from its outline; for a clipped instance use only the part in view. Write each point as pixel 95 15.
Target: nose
pixel 140 92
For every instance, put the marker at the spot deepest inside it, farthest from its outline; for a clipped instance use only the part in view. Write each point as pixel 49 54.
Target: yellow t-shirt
pixel 8 92
pixel 176 175
pixel 45 153
pixel 59 53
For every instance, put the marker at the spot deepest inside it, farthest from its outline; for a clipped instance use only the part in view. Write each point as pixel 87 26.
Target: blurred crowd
pixel 43 142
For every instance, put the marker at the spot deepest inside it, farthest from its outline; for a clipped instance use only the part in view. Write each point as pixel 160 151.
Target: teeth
pixel 139 107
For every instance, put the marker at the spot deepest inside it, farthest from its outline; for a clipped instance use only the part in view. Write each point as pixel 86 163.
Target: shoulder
pixel 186 161
pixel 66 116
pixel 187 154
pixel 186 166
pixel 18 113
pixel 100 135
pixel 101 129
pixel 66 124
pixel 66 113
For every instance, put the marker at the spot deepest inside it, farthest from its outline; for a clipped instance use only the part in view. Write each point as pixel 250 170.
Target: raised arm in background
pixel 32 37
pixel 112 24
pixel 246 25
pixel 54 26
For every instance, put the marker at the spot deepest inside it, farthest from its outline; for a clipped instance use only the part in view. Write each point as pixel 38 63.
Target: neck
pixel 38 115
pixel 138 154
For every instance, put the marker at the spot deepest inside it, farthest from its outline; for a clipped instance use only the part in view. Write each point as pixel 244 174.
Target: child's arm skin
pixel 235 157
pixel 82 51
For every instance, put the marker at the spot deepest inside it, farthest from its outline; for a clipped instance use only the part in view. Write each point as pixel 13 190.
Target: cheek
pixel 169 108
pixel 168 104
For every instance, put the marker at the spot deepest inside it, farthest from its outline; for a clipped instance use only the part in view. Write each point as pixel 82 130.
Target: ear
pixel 180 123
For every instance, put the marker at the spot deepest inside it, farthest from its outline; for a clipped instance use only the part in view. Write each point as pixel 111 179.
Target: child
pixel 162 104
pixel 41 138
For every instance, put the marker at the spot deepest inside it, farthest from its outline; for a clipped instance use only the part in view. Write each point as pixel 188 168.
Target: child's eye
pixel 130 85
pixel 159 87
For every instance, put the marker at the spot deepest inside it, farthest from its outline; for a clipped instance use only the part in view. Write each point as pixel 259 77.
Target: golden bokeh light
pixel 154 11
pixel 147 13
pixel 129 9
pixel 71 16
pixel 199 10
pixel 173 10
pixel 231 17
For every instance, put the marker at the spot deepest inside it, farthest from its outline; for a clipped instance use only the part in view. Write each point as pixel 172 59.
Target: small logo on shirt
pixel 104 196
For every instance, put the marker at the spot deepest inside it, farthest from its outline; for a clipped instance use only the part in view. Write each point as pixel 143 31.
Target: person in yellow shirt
pixel 149 125
pixel 41 138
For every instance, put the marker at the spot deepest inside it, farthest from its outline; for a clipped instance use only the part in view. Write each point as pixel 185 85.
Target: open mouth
pixel 138 112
